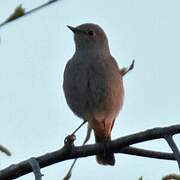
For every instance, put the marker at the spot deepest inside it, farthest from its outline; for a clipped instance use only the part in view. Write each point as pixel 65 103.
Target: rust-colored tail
pixel 104 158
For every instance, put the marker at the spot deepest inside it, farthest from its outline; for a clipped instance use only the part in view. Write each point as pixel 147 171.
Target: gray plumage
pixel 93 85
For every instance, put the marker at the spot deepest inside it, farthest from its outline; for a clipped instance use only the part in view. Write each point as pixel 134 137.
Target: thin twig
pixel 69 173
pixel 115 146
pixel 30 12
pixel 35 168
pixel 174 148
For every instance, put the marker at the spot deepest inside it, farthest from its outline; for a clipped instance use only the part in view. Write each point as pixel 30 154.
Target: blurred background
pixel 34 115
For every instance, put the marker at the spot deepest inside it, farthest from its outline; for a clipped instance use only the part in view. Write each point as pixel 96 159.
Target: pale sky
pixel 34 115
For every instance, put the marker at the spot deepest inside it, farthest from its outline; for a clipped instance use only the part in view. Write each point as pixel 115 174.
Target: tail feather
pixel 104 158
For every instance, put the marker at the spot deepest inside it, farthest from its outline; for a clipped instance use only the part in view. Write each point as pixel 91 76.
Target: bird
pixel 93 84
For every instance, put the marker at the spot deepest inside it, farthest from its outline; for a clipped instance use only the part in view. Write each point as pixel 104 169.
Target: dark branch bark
pixel 147 153
pixel 117 146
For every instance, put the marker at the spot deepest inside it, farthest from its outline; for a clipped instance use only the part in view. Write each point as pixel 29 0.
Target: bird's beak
pixel 75 30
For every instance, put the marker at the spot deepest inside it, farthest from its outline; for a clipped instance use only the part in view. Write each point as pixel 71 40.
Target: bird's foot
pixel 69 140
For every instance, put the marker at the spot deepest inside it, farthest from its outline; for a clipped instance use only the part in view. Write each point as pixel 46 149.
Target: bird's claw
pixel 69 140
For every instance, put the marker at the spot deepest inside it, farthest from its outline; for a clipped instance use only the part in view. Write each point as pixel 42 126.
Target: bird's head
pixel 90 37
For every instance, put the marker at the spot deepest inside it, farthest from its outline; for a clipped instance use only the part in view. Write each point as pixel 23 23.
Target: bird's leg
pixel 68 175
pixel 69 140
pixel 88 134
pixel 125 70
pixel 79 127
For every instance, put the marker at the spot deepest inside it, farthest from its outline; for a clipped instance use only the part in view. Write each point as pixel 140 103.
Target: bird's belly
pixel 91 92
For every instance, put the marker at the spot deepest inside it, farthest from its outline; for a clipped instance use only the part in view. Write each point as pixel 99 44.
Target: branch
pixel 29 12
pixel 65 153
pixel 147 153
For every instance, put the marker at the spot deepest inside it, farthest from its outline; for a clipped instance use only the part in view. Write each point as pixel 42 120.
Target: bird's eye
pixel 90 33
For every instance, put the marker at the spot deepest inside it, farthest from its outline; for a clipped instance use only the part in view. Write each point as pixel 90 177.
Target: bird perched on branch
pixel 93 84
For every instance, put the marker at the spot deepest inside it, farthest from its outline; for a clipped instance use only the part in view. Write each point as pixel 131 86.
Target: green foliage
pixel 140 178
pixel 18 12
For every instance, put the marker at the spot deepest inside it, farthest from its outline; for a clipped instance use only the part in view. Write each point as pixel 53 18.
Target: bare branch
pixel 29 12
pixel 36 169
pixel 147 153
pixel 65 153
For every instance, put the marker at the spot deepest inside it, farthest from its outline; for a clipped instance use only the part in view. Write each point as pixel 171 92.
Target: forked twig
pixel 173 146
